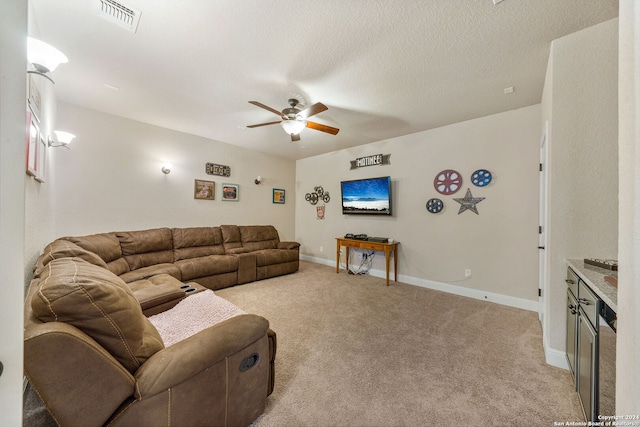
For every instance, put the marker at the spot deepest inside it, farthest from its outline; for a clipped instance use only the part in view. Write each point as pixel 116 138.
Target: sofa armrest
pixel 183 360
pixel 236 251
pixel 157 293
pixel 150 271
pixel 288 245
pixel 71 372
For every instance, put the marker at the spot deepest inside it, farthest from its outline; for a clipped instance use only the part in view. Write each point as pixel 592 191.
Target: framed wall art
pixel 33 134
pixel 204 190
pixel 41 157
pixel 230 192
pixel 278 196
pixel 35 100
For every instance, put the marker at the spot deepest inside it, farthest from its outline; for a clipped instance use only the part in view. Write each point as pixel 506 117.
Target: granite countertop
pixel 594 277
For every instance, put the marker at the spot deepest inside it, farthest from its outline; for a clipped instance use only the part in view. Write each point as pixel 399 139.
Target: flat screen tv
pixel 370 196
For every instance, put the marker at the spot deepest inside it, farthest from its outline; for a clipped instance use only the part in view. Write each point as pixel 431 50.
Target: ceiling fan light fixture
pixel 293 126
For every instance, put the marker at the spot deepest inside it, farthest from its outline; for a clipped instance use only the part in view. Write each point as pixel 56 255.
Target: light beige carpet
pixel 354 352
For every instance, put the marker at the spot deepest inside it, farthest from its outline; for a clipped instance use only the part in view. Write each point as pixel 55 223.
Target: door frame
pixel 542 222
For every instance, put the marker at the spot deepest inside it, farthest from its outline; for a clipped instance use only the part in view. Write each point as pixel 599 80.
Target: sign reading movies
pixel 376 159
pixel 220 170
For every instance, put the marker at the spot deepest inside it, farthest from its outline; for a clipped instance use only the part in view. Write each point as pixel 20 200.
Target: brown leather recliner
pixel 95 359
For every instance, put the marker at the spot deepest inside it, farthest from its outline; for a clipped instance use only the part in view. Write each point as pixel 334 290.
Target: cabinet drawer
pixel 572 281
pixel 589 303
pixel 371 246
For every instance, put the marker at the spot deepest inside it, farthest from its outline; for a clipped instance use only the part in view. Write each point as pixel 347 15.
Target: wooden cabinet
pixel 587 366
pixel 583 308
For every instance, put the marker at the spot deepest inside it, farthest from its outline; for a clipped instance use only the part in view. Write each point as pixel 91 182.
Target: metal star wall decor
pixel 468 202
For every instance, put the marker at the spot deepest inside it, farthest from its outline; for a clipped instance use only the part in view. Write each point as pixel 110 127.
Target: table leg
pixel 395 264
pixel 337 257
pixel 386 256
pixel 346 258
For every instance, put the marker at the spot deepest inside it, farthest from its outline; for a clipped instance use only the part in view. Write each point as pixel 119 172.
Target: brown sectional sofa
pixel 95 359
pixel 214 257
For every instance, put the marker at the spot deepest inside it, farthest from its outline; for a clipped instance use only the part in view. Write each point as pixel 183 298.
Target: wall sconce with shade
pixel 44 57
pixel 166 168
pixel 60 139
pixel 258 180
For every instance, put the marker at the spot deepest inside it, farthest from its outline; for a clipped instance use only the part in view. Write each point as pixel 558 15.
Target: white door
pixel 542 232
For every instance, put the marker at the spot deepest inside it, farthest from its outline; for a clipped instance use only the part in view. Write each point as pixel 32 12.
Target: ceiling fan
pixel 294 119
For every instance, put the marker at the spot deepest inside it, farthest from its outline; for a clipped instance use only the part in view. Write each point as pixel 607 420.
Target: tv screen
pixel 371 196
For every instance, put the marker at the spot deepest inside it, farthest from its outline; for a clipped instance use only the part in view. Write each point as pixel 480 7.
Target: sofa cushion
pixel 100 304
pixel 107 247
pixel 207 266
pixel 230 237
pixel 256 237
pixel 196 242
pixel 146 247
pixel 66 249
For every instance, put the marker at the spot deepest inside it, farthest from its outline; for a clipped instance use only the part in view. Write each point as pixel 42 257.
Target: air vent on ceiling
pixel 118 13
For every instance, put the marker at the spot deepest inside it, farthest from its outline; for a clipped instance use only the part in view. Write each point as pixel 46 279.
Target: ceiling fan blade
pixel 263 124
pixel 316 108
pixel 295 137
pixel 323 128
pixel 261 105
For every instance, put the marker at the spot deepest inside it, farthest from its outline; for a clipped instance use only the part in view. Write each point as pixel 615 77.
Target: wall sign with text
pixel 375 160
pixel 220 170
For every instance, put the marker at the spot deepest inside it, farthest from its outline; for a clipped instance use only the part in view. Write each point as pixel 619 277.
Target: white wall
pixel 111 180
pixel 628 344
pixel 13 45
pixel 580 103
pixel 499 245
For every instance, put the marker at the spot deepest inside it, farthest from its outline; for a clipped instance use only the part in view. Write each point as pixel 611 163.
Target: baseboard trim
pixel 446 287
pixel 556 358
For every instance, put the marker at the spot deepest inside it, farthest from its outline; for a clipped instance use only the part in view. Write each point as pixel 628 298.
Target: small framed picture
pixel 204 190
pixel 230 192
pixel 278 196
pixel 32 144
pixel 41 160
pixel 35 101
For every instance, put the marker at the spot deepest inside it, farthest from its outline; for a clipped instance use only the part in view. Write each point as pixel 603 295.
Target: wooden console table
pixel 387 248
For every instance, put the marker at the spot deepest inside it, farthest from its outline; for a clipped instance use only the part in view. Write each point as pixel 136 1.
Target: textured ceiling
pixel 384 68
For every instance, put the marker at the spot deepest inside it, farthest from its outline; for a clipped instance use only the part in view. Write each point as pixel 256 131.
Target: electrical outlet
pixel 321 249
pixel 467 272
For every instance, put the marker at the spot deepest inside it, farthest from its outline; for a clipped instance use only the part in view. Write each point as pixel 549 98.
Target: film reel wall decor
pixel 318 194
pixel 435 205
pixel 449 181
pixel 481 178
